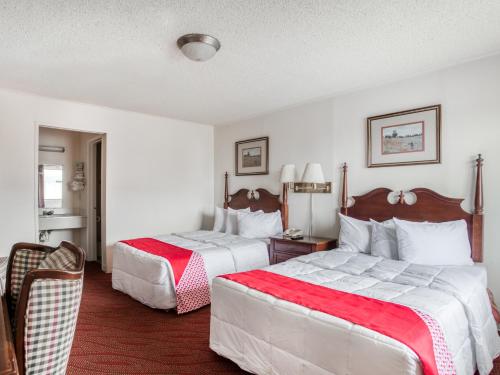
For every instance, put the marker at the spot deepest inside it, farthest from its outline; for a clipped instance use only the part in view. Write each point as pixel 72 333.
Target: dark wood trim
pixel 478 197
pixel 8 362
pixel 236 156
pixel 282 248
pixel 284 206
pixel 429 206
pixel 226 191
pixel 344 190
pixel 263 200
pixel 494 307
pixel 437 107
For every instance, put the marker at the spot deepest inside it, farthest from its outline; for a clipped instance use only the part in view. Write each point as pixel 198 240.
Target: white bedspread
pixel 149 278
pixel 265 335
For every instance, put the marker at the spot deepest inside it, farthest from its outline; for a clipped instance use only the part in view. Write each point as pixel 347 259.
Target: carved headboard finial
pixel 478 199
pixel 344 189
pixel 226 191
pixel 401 197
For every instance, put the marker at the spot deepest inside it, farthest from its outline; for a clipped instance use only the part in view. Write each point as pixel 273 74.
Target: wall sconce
pixel 306 185
pixel 313 181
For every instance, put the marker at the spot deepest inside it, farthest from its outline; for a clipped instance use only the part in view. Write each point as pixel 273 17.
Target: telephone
pixel 293 234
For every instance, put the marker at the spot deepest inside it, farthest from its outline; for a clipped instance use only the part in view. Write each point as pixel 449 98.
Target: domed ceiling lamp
pixel 198 47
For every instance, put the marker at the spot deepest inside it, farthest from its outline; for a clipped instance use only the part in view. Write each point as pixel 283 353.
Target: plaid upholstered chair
pixel 43 292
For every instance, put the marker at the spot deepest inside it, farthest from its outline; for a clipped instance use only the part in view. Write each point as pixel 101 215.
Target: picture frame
pixel 411 137
pixel 252 156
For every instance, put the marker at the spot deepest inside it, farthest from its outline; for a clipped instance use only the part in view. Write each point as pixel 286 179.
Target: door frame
pixel 91 214
pixel 94 136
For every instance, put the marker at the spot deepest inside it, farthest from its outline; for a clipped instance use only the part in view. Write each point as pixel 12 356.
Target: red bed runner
pixel 190 276
pixel 417 330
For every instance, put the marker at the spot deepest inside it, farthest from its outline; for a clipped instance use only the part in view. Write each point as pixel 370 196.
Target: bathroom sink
pixel 61 221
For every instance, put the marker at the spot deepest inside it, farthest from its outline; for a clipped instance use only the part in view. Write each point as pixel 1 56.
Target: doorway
pixel 96 206
pixel 70 184
pixel 97 200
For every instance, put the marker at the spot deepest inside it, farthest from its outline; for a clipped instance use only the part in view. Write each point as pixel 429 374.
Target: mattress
pixel 266 335
pixel 149 278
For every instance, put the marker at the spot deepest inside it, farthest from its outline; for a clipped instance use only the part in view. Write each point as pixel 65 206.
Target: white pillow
pixel 232 220
pixel 220 220
pixel 354 234
pixel 443 244
pixel 259 224
pixel 384 242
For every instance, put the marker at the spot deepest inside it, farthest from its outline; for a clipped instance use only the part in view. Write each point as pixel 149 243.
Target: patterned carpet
pixel 118 335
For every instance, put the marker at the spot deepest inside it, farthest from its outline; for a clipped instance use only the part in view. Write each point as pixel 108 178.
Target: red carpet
pixel 118 335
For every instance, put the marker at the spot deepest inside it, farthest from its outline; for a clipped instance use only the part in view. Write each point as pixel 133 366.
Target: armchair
pixel 44 285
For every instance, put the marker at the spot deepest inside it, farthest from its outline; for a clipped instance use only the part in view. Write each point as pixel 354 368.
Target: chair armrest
pixel 8 363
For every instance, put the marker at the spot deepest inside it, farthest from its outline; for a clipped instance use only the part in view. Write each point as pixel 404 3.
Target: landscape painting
pixel 410 137
pixel 397 139
pixel 252 156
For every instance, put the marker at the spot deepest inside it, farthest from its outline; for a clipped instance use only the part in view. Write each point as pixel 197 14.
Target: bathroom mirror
pixel 50 186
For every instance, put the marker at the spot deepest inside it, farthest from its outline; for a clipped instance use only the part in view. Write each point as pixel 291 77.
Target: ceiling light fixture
pixel 198 47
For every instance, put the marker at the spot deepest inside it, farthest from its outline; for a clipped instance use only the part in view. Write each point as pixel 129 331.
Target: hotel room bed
pixel 273 324
pixel 148 278
pixel 267 335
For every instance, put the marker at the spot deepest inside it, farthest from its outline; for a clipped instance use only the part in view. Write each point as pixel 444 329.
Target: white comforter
pixel 149 278
pixel 265 335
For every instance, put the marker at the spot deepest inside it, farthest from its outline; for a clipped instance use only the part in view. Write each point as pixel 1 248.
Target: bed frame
pixel 429 206
pixel 258 199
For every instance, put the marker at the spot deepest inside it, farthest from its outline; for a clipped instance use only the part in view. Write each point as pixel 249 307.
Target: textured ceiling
pixel 275 53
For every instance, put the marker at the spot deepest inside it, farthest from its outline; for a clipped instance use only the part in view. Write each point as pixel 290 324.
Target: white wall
pixel 296 136
pixel 159 171
pixel 334 130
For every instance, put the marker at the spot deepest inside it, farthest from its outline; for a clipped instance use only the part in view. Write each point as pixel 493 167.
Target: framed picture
pixel 252 156
pixel 405 138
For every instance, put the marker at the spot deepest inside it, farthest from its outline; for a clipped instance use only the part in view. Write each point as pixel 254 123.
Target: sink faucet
pixel 48 212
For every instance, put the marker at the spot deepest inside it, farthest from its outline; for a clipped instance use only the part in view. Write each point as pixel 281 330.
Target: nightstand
pixel 283 248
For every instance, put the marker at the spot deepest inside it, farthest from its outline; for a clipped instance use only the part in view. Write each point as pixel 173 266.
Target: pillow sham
pixel 384 242
pixel 354 234
pixel 232 220
pixel 259 224
pixel 434 244
pixel 219 220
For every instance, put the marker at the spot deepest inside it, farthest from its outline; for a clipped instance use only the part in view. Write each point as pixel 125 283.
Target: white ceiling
pixel 275 53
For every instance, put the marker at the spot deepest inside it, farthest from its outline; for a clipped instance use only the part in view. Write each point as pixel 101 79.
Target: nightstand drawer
pixel 291 247
pixel 281 257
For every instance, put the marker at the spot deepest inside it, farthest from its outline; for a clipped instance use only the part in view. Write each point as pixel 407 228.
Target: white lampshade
pixel 287 173
pixel 313 174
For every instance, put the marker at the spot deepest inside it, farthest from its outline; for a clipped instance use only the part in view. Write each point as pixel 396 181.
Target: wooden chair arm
pixel 8 362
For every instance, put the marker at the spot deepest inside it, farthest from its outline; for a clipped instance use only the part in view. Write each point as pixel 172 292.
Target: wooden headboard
pixel 258 199
pixel 429 206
